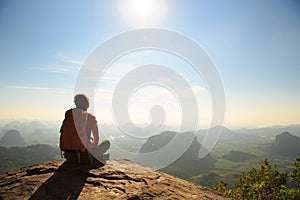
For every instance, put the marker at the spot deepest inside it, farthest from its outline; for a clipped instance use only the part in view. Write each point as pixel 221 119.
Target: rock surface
pixel 118 179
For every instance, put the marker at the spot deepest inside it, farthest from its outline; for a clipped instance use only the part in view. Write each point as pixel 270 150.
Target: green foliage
pixel 264 183
pixel 221 187
pixel 295 174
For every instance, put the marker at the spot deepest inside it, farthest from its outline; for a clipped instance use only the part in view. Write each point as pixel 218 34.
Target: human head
pixel 81 101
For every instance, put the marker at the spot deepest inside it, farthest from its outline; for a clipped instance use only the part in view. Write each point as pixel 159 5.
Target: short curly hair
pixel 81 101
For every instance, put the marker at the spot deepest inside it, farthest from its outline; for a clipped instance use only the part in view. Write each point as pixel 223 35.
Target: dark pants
pixel 77 157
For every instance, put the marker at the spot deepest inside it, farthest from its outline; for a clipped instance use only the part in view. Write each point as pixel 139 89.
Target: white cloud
pixel 46 89
pixel 70 59
pixel 67 65
pixel 55 68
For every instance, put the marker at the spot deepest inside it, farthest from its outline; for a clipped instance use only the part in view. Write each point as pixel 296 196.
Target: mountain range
pixel 236 151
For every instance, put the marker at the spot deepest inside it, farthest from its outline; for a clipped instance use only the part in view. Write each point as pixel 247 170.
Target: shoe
pixel 104 158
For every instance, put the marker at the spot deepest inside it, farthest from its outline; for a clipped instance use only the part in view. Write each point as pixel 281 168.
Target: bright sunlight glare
pixel 142 12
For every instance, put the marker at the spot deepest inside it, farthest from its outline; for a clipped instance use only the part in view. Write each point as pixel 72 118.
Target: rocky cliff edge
pixel 118 179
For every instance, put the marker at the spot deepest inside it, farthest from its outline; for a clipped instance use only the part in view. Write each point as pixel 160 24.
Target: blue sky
pixel 254 44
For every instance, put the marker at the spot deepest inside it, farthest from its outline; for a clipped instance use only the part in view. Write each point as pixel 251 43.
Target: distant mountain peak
pixel 286 133
pixel 286 144
pixel 222 129
pixel 12 138
pixel 286 136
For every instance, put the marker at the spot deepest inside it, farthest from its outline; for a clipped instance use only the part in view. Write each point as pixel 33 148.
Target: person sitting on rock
pixel 79 135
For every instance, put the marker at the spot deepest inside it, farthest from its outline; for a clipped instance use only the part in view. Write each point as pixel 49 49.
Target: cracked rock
pixel 118 179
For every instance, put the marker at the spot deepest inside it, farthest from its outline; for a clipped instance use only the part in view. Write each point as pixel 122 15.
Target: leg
pixel 103 147
pixel 99 152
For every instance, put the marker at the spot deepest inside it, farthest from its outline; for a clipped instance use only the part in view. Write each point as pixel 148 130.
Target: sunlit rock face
pixel 118 179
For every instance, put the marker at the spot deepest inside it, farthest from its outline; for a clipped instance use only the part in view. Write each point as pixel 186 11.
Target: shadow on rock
pixel 66 183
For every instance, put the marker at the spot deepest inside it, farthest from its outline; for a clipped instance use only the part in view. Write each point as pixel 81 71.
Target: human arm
pixel 95 133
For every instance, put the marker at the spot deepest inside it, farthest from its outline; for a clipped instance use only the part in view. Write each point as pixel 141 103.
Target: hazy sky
pixel 254 44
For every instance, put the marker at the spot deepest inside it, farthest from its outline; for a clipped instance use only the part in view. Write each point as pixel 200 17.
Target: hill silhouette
pixel 118 179
pixel 12 138
pixel 188 164
pixel 34 132
pixel 286 144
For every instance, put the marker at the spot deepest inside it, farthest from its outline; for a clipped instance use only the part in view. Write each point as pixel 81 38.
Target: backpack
pixel 73 130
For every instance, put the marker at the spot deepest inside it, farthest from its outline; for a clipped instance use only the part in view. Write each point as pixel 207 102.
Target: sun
pixel 143 8
pixel 142 12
